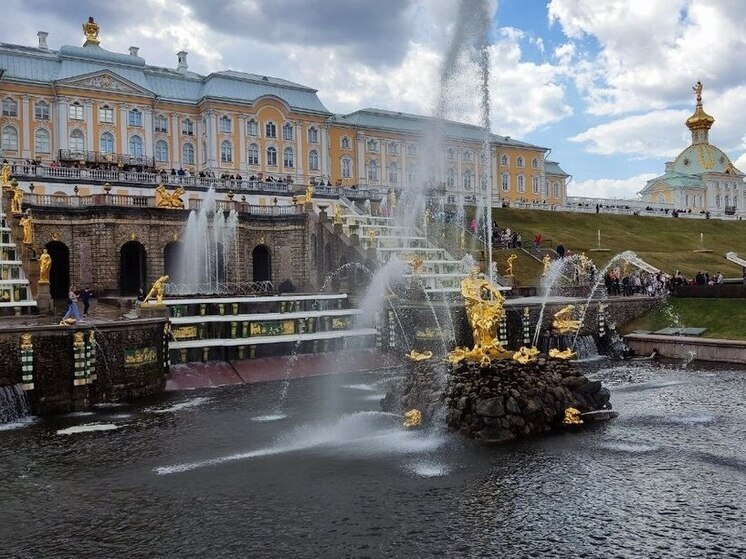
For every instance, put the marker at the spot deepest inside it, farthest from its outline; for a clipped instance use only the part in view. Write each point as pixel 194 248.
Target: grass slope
pixel 665 242
pixel 721 317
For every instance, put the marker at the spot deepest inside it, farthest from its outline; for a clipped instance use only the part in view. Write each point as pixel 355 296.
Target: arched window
pixel 506 182
pixel 504 160
pixel 534 163
pixel 468 180
pixel 287 131
pixel 270 130
pixel 10 138
pixel 225 124
pixel 136 146
pixel 467 156
pixel 226 152
pixel 519 161
pixel 10 107
pixel 252 129
pixel 41 141
pixel 41 110
pixel 76 111
pixel 373 170
pixel 346 168
pixel 394 148
pixel 313 160
pixel 556 189
pixel 134 118
pixel 521 183
pixel 77 141
pixel 187 154
pixel 253 155
pixel 535 184
pixel 106 143
pixel 393 173
pixel 187 127
pixel 727 200
pixel 451 178
pixel 288 159
pixel 271 157
pixel 345 142
pixel 313 135
pixel 106 114
pixel 161 123
pixel 686 200
pixel 161 151
pixel 372 146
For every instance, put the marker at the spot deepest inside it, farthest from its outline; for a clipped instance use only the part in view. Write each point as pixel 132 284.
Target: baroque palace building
pixel 90 107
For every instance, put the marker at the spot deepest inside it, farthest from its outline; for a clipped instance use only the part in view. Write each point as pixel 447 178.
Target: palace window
pixel 161 151
pixel 373 171
pixel 467 156
pixel 287 131
pixel 451 178
pixel 270 130
pixel 77 141
pixel 225 124
pixel 106 114
pixel 346 168
pixel 504 160
pixel 187 154
pixel 76 111
pixel 372 146
pixel 468 180
pixel 535 184
pixel 717 201
pixel 187 128
pixel 451 154
pixel 136 146
pixel 271 156
pixel 411 149
pixel 393 173
pixel 313 135
pixel 253 154
pixel 10 107
pixel 41 110
pixel 226 152
pixel 519 161
pixel 534 163
pixel 521 184
pixel 161 124
pixel 41 141
pixel 506 182
pixel 394 148
pixel 134 118
pixel 288 158
pixel 252 129
pixel 313 160
pixel 106 143
pixel 345 142
pixel 556 189
pixel 10 139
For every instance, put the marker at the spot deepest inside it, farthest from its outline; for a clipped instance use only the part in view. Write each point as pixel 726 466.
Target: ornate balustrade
pixel 105 158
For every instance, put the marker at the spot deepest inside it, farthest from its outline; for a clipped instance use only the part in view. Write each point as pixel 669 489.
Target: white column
pixel 494 184
pixel 384 176
pixel 212 144
pixel 88 108
pixel 459 181
pixel 325 174
pixel 175 143
pixel 243 164
pixel 147 123
pixel 123 128
pixel 403 175
pixel 362 177
pixel 61 128
pixel 27 134
pixel 299 155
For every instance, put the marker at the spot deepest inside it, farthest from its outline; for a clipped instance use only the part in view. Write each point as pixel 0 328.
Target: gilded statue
pixel 90 29
pixel 426 217
pixel 484 316
pixel 338 214
pixel 417 356
pixel 572 417
pixel 416 263
pixel 166 199
pixel 547 264
pixel 45 263
pixel 157 291
pixel 5 175
pixel 392 199
pixel 26 342
pixel 509 270
pixel 526 355
pixel 17 200
pixel 28 229
pixel 306 198
pixel 563 321
pixel 565 355
pixel 372 234
pixel 412 419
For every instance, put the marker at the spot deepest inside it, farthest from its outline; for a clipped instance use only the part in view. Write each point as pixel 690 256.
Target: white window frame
pixel 41 110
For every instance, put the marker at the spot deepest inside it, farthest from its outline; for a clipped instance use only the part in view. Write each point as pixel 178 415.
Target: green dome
pixel 702 158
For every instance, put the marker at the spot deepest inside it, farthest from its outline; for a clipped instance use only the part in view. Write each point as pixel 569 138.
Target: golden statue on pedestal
pixel 28 229
pixel 547 261
pixel 509 270
pixel 338 214
pixel 484 316
pixel 5 175
pixel 412 419
pixel 526 355
pixel 566 355
pixel 392 199
pixel 17 200
pixel 45 263
pixel 157 291
pixel 563 321
pixel 572 417
pixel 416 263
pixel 166 199
pixel 372 234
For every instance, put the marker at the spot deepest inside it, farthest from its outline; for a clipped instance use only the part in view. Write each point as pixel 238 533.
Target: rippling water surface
pixel 220 474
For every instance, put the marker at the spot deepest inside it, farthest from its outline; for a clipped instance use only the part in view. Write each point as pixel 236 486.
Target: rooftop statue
pixel 90 30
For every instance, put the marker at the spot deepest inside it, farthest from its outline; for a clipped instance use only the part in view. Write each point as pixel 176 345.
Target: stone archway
pixel 133 274
pixel 261 263
pixel 59 273
pixel 172 265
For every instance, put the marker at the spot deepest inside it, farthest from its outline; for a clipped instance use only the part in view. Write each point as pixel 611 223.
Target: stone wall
pixel 685 347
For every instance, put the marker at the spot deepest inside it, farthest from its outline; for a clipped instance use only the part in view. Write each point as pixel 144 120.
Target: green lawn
pixel 665 242
pixel 723 318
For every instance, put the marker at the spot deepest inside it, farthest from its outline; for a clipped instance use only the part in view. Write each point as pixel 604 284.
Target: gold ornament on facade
pixel 509 270
pixel 565 355
pixel 572 417
pixel 417 356
pixel 412 419
pixel 526 355
pixel 158 291
pixel 90 30
pixel 45 263
pixel 78 339
pixel 56 236
pixel 563 321
pixel 26 342
pixel 171 200
pixel 28 229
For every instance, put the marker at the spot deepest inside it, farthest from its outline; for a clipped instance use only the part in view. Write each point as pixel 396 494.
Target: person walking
pixel 85 296
pixel 72 305
pixel 561 250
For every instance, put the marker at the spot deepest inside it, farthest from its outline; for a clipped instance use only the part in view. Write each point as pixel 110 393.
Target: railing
pixel 245 288
pixel 106 158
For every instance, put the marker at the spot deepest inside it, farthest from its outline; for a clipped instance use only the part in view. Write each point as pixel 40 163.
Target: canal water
pixel 220 473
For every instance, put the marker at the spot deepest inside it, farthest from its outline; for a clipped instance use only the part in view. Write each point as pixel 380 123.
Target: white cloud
pixel 610 188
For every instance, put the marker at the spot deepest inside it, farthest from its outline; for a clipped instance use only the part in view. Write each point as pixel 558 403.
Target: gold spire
pixel 90 29
pixel 700 122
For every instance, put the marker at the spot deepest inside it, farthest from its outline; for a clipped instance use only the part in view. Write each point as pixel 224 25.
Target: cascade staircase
pixel 15 288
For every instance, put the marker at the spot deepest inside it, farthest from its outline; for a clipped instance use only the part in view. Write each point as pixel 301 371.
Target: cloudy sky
pixel 605 83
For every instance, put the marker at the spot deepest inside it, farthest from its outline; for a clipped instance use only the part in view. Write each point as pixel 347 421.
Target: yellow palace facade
pixel 88 106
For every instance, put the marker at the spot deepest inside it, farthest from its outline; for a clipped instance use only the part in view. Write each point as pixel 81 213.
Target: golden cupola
pixel 700 122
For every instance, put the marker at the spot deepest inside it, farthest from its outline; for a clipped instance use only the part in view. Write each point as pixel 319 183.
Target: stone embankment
pixel 499 403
